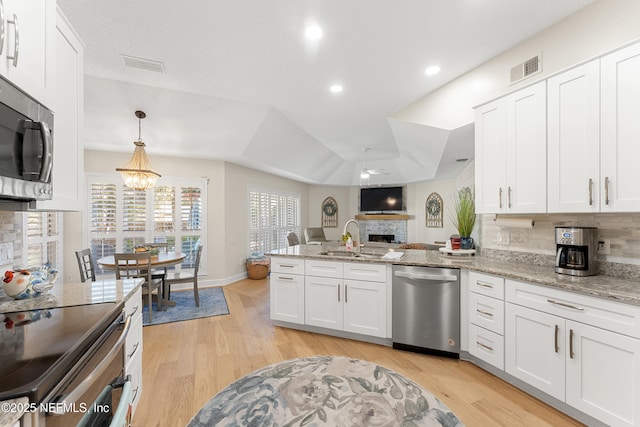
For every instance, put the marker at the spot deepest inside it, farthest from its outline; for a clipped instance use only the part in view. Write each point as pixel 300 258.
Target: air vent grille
pixel 525 69
pixel 143 64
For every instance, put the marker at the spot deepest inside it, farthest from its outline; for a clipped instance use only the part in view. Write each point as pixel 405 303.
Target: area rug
pixel 212 303
pixel 324 391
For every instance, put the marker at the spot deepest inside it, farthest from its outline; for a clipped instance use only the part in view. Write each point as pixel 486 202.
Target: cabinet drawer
pixel 486 284
pixel 134 368
pixel 365 271
pixel 486 312
pixel 133 306
pixel 609 315
pixel 287 265
pixel 487 346
pixel 318 268
pixel 133 344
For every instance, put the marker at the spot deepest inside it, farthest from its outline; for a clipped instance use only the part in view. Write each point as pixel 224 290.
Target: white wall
pixel 342 195
pixel 600 27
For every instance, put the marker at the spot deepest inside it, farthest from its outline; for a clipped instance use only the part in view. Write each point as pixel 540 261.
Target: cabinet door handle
pixel 606 190
pixel 484 284
pixel 135 348
pixel 1 26
pixel 284 278
pixel 564 304
pixel 557 346
pixel 571 353
pixel 500 196
pixel 338 293
pixel 590 192
pixel 486 313
pixel 484 345
pixel 287 266
pixel 346 299
pixel 509 197
pixel 16 44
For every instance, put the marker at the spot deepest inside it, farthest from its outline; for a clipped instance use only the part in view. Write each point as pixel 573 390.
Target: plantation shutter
pixel 272 216
pixel 43 237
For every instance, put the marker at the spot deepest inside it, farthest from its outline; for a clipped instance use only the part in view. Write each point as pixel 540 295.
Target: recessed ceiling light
pixel 313 32
pixel 336 88
pixel 432 70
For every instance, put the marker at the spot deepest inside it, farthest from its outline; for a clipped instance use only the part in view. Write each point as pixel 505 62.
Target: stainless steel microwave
pixel 26 147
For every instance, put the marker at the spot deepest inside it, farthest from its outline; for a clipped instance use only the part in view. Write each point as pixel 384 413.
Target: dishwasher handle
pixel 427 276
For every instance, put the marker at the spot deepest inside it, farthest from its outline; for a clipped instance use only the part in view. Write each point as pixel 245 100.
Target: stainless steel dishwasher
pixel 426 310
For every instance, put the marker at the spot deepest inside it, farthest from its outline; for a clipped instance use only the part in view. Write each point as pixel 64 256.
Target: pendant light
pixel 137 174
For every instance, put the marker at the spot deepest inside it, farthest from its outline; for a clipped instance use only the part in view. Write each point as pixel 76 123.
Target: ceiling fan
pixel 366 173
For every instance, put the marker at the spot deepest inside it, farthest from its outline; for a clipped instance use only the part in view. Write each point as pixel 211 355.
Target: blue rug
pixel 212 303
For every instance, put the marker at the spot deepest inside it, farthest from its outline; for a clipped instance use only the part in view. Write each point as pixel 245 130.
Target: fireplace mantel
pixel 383 217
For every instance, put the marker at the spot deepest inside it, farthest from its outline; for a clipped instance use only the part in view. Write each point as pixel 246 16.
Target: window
pixel 43 237
pixel 121 218
pixel 272 217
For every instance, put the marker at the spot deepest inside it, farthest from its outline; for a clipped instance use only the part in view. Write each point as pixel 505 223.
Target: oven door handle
pixel 66 401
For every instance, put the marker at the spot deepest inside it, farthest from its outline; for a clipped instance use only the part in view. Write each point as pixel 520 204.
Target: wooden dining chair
pixel 139 265
pixel 159 273
pixel 175 278
pixel 86 265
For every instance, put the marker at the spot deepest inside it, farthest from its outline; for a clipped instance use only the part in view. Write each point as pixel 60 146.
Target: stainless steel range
pixel 61 359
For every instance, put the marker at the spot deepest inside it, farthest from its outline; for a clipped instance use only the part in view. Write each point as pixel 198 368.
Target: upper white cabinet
pixel 573 139
pixel 28 53
pixel 620 129
pixel 511 153
pixel 68 154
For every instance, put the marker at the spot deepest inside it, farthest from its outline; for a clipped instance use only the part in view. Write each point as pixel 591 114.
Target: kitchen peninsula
pixel 547 334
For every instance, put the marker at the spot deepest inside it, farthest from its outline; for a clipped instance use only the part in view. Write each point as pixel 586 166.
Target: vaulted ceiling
pixel 242 83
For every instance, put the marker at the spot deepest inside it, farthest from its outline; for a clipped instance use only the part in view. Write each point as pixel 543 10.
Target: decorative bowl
pixel 21 284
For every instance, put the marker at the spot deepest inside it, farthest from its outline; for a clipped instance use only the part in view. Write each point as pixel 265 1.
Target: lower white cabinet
pixel 287 290
pixel 356 306
pixel 486 318
pixel 133 347
pixel 592 369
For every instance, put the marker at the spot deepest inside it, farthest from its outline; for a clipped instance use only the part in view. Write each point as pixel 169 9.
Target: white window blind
pixel 121 218
pixel 43 237
pixel 272 216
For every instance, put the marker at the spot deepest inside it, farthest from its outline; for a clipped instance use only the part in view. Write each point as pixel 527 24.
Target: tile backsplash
pixel 622 230
pixel 11 232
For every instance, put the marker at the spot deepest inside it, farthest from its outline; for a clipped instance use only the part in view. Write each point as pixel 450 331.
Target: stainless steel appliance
pixel 63 359
pixel 426 309
pixel 26 146
pixel 576 251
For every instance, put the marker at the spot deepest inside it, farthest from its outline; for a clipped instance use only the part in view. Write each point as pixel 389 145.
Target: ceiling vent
pixel 526 69
pixel 143 64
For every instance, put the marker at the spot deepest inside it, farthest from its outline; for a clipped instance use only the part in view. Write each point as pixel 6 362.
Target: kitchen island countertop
pixel 606 287
pixel 68 294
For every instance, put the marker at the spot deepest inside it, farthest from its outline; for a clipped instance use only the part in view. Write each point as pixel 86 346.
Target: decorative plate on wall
pixel 434 211
pixel 329 212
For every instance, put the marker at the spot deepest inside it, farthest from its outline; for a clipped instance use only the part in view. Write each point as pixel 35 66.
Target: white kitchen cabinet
pixel 68 153
pixel 344 304
pixel 133 346
pixel 578 349
pixel 324 302
pixel 28 56
pixel 620 127
pixel 486 318
pixel 511 153
pixel 574 139
pixel 287 290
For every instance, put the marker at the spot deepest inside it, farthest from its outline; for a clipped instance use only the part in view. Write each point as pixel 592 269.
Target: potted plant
pixel 465 216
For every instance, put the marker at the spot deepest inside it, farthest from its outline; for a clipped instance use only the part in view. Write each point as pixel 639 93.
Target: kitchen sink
pixel 348 254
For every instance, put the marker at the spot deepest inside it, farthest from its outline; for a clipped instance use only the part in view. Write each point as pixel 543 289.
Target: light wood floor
pixel 187 363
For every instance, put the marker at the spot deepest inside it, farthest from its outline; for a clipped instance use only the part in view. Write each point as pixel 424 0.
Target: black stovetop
pixel 38 347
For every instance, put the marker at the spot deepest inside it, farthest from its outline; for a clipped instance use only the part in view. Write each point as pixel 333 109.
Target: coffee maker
pixel 576 249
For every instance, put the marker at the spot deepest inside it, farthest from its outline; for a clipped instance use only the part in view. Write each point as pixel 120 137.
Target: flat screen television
pixel 381 199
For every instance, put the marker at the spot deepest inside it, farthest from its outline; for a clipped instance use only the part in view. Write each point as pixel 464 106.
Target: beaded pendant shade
pixel 137 174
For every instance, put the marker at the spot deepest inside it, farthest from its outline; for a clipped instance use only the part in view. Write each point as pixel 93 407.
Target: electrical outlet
pixel 604 247
pixel 503 237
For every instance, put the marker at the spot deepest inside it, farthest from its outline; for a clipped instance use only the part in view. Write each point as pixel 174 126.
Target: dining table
pixel 162 260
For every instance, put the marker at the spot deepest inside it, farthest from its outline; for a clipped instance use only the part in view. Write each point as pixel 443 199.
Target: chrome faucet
pixel 344 231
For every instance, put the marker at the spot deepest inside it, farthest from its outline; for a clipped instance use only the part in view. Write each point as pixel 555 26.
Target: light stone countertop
pixel 68 294
pixel 606 287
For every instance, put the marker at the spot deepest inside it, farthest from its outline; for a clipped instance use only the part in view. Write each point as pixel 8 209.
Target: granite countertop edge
pixel 605 287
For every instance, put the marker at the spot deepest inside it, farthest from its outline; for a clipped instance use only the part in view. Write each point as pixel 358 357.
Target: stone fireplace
pixel 376 229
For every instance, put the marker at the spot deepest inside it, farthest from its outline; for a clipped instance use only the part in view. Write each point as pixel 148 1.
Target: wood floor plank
pixel 186 363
